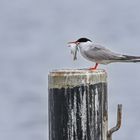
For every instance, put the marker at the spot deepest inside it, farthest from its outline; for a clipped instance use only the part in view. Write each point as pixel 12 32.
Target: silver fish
pixel 74 50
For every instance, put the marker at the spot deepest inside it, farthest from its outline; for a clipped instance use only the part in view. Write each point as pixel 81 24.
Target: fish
pixel 74 50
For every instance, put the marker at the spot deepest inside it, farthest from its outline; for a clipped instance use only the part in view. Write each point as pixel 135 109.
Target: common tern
pixel 98 53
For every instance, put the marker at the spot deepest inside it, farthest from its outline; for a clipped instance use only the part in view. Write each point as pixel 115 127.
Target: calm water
pixel 33 37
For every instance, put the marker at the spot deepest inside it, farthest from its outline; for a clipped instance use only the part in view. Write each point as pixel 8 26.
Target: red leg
pixel 94 68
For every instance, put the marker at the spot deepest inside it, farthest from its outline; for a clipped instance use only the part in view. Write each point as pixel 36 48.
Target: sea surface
pixel 33 42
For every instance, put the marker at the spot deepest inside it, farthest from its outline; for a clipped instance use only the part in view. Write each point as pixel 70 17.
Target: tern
pixel 98 53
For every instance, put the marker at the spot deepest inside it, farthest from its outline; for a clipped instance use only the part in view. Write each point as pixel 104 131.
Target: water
pixel 33 37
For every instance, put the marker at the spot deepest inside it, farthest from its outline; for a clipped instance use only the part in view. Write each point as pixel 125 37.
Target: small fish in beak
pixel 74 49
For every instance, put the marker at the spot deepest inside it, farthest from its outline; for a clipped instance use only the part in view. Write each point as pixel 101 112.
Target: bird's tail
pixel 128 58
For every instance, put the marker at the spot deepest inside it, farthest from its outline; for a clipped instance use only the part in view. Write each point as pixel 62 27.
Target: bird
pixel 98 53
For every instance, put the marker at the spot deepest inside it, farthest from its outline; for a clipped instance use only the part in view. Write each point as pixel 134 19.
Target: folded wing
pixel 103 55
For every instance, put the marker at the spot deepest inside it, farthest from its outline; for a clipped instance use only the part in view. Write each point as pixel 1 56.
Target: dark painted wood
pixel 79 112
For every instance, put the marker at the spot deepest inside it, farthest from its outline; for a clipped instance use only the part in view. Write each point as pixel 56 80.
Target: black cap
pixel 83 40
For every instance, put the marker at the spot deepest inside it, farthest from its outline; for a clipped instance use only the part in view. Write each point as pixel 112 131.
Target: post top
pixel 63 72
pixel 75 77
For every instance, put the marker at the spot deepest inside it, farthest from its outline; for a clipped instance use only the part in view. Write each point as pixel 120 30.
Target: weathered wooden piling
pixel 78 107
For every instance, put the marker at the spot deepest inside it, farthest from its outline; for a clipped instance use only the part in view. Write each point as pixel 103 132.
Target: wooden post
pixel 78 105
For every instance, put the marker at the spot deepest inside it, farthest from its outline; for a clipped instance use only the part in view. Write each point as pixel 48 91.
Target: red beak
pixel 75 42
pixel 72 42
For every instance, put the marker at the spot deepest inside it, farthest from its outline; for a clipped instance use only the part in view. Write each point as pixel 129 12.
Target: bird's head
pixel 80 41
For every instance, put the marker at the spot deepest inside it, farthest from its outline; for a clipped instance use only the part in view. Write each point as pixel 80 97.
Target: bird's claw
pixel 92 68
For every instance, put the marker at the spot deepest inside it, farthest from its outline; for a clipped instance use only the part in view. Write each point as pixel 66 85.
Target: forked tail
pixel 128 58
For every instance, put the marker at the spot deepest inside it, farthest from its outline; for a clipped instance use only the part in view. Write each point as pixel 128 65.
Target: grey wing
pixel 100 53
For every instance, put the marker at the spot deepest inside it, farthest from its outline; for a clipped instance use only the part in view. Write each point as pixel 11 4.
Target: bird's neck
pixel 85 45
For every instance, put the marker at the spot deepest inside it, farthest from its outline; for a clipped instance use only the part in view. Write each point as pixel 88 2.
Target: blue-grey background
pixel 33 37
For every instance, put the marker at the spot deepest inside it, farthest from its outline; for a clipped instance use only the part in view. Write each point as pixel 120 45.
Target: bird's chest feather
pixel 84 53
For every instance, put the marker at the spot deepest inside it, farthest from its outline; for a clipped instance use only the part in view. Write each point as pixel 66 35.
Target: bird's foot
pixel 94 68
